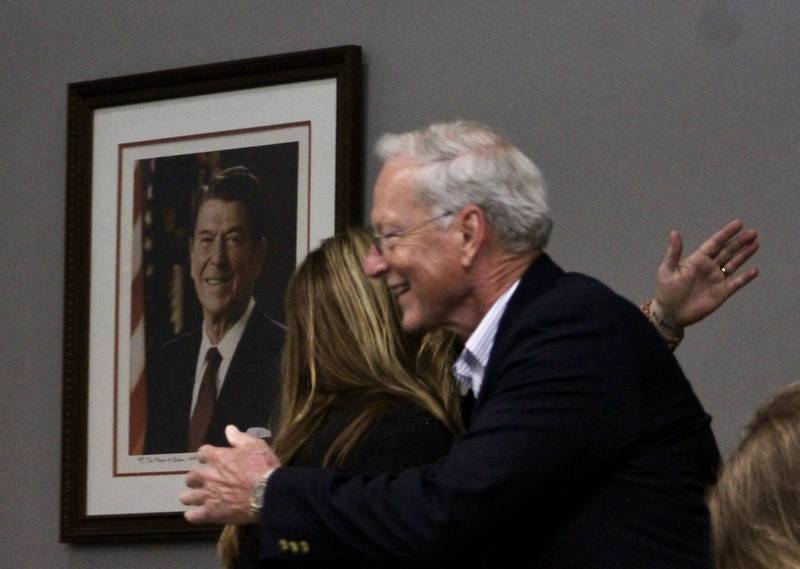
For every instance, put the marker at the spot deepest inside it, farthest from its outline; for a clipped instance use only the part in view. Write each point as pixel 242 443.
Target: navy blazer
pixel 403 435
pixel 587 449
pixel 247 397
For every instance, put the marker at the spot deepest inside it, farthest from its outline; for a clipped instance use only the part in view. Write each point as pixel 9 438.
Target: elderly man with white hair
pixel 586 446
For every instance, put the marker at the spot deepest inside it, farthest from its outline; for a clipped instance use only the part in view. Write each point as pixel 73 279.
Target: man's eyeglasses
pixel 390 237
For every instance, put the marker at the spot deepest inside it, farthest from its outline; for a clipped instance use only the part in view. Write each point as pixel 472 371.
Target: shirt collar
pixel 227 346
pixel 470 366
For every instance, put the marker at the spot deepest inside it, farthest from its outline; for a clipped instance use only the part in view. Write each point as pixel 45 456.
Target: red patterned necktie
pixel 206 398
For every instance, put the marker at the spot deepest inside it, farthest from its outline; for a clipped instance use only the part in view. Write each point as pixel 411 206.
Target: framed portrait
pixel 191 196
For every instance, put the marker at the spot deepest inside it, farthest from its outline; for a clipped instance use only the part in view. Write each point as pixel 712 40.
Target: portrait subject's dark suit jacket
pixel 587 449
pixel 247 397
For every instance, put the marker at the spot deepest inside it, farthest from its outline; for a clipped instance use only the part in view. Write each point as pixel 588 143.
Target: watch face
pixel 257 495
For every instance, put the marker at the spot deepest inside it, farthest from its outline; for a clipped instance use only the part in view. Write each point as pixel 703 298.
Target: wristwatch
pixel 257 493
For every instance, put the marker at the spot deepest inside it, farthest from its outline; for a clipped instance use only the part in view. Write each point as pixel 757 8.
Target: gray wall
pixel 645 116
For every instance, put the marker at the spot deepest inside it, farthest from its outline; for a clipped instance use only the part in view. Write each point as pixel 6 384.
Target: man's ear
pixel 472 231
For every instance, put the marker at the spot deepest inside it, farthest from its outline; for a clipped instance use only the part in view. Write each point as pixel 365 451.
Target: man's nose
pixel 218 254
pixel 374 264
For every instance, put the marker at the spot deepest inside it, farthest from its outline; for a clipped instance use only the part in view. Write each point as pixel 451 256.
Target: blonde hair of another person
pixel 343 337
pixel 755 505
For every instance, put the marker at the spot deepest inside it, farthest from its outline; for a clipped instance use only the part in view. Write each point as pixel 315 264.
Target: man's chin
pixel 228 311
pixel 413 324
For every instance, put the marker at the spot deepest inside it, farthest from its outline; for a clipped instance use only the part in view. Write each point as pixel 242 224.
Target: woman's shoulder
pixel 400 434
pixel 403 435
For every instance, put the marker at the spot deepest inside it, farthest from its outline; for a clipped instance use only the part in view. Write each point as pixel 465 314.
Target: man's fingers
pixel 736 283
pixel 206 453
pixel 232 433
pixel 201 477
pixel 192 497
pixel 242 440
pixel 674 251
pixel 237 438
pixel 747 236
pixel 196 478
pixel 196 515
pixel 742 241
pixel 740 257
pixel 713 246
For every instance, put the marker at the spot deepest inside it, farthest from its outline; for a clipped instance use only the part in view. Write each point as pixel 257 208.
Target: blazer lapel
pixel 252 378
pixel 183 380
pixel 540 277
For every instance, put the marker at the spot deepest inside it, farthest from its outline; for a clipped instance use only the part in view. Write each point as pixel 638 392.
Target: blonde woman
pixel 356 394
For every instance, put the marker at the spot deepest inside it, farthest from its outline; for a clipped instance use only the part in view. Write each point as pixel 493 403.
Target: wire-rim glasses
pixel 378 239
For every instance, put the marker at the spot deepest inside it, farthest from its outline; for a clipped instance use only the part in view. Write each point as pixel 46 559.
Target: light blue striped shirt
pixel 471 364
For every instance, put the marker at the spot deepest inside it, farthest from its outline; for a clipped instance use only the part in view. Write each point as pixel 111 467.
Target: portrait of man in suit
pixel 225 370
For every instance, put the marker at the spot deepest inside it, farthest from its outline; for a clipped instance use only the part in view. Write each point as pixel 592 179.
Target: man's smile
pixel 398 289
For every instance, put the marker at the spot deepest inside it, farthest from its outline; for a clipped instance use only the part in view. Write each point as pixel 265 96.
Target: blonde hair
pixel 755 505
pixel 344 336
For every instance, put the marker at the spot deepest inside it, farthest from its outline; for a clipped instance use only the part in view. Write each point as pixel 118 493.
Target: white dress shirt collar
pixel 470 366
pixel 227 347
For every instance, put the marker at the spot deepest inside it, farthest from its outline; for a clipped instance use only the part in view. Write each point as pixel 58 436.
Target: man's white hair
pixel 464 162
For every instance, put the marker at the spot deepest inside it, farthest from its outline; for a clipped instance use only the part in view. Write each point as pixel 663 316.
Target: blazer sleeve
pixel 562 406
pixel 402 437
